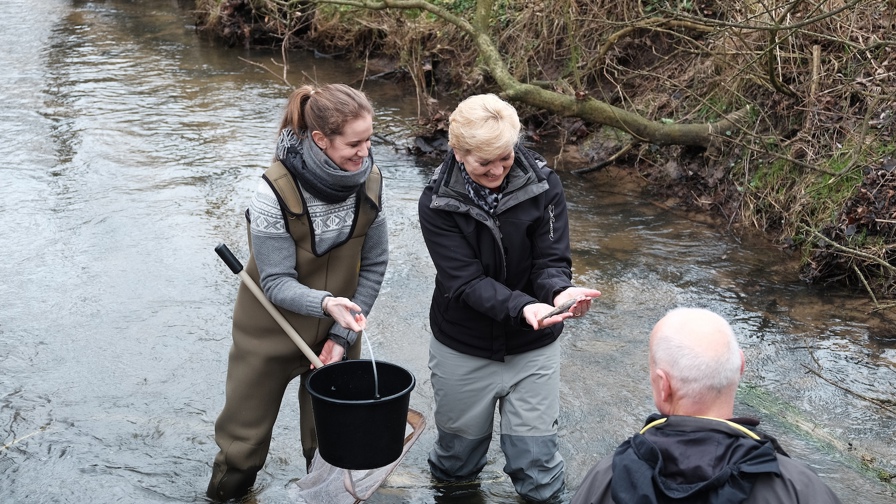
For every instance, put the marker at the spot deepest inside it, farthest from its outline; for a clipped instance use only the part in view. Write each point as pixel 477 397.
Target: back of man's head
pixel 695 364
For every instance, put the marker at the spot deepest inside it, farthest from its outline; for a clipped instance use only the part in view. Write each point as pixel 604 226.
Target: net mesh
pixel 327 484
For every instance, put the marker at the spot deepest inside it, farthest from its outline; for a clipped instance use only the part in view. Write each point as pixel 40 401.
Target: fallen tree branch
pixel 649 24
pixel 852 252
pixel 283 78
pixel 605 162
pixel 841 387
pixel 865 283
pixel 883 307
pixel 564 105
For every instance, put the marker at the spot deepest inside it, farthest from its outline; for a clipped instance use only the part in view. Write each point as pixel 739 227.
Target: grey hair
pixel 697 374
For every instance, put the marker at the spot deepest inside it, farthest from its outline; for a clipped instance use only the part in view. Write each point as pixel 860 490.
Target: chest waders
pixel 263 359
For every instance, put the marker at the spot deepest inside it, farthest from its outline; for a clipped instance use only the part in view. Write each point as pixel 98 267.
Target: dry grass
pixel 819 74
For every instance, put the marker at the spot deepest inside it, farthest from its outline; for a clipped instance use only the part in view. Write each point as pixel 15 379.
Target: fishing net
pixel 327 484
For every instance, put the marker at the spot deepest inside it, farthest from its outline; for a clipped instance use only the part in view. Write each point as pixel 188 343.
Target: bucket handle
pixel 235 266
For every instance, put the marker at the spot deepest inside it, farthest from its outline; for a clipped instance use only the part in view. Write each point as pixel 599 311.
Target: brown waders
pixel 259 370
pixel 263 359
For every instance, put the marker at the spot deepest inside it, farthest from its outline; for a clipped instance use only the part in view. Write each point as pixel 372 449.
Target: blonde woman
pixel 494 220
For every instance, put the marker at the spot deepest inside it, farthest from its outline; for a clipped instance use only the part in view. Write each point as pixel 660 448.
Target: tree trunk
pixel 588 109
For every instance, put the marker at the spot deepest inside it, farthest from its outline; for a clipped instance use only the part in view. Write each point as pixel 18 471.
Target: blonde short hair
pixel 485 125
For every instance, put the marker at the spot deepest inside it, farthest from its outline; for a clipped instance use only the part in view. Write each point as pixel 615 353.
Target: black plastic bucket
pixel 354 429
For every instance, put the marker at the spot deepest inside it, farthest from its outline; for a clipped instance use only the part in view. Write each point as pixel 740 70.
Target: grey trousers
pixel 526 389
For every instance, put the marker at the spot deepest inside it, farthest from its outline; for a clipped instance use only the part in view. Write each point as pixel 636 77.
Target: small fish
pixel 560 309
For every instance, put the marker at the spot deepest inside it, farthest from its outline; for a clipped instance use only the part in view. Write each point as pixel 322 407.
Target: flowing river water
pixel 130 148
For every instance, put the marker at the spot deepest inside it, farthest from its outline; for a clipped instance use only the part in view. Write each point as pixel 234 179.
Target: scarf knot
pixel 484 197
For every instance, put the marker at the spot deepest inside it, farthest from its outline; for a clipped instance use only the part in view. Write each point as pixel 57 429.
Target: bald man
pixel 693 450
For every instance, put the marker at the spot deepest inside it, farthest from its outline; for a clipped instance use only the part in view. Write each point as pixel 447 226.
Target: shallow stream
pixel 130 149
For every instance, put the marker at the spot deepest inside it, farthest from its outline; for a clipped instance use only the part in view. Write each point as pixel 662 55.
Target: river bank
pixel 811 167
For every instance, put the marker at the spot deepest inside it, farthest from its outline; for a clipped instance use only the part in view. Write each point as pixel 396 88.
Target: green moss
pixel 796 421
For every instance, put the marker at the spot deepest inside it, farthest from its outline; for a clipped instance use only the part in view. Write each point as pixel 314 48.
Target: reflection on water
pixel 131 149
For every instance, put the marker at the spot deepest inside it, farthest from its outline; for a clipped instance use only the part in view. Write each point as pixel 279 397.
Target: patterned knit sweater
pixel 275 254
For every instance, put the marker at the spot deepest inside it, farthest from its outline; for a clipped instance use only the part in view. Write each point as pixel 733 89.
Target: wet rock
pixel 430 145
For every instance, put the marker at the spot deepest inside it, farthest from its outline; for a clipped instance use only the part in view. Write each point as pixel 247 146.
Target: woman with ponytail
pixel 318 248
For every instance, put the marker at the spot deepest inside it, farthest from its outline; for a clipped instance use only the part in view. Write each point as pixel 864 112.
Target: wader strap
pixel 290 197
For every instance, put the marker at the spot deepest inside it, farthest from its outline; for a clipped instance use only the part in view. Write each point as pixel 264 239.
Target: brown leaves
pixel 863 240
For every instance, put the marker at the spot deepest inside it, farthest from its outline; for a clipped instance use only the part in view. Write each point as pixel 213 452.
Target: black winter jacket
pixel 693 460
pixel 489 268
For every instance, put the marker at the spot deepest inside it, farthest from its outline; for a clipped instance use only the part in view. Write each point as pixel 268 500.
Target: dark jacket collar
pixel 524 180
pixel 691 458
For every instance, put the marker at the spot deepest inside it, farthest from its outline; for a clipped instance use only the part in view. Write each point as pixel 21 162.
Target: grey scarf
pixel 317 173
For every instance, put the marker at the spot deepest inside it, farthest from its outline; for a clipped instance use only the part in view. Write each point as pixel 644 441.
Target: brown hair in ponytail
pixel 326 109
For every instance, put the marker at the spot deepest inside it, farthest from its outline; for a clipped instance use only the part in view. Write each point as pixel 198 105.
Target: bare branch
pixel 841 387
pixel 283 78
pixel 697 134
